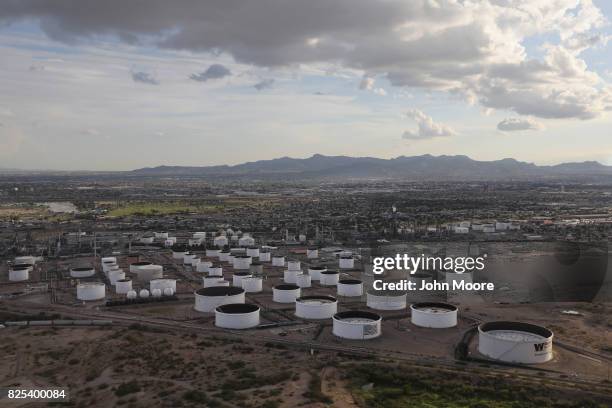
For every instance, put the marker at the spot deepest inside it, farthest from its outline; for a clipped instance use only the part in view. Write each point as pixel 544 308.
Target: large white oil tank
pixel 168 292
pixel 265 256
pixel 161 235
pixel 224 255
pixel 316 307
pixel 146 240
pixel 347 262
pixel 203 266
pixel 303 280
pixel 178 254
pixel 212 252
pixel 238 276
pixel 294 265
pixel 131 294
pixel 109 259
pixel 252 251
pixel 115 275
pixel 207 299
pixel 386 300
pixel 312 253
pixel 144 293
pixel 350 287
pixel 91 291
pixel 433 315
pixel 82 272
pixel 220 241
pixel 27 260
pixel 237 316
pixel 156 293
pixel 19 273
pixel 246 241
pixel 215 270
pixel 123 286
pixel 515 342
pixel 278 261
pixel 290 276
pixel 315 272
pixel 168 243
pixel 286 293
pixel 252 284
pixel 136 266
pixel 162 284
pixel 242 262
pixel 149 272
pixel 108 265
pixel 357 325
pixel 329 278
pixel 188 258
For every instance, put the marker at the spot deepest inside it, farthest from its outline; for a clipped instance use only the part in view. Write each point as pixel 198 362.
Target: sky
pixel 125 84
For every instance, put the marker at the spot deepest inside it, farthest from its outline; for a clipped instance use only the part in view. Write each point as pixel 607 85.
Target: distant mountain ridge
pixel 425 167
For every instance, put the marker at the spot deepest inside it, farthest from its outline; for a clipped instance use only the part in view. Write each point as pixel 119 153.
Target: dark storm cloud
pixel 144 77
pixel 215 71
pixel 473 49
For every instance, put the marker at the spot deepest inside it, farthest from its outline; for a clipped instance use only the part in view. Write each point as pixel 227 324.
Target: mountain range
pixel 416 168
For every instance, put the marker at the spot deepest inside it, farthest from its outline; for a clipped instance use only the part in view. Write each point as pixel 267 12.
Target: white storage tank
pixel 224 255
pixel 515 342
pixel 132 294
pixel 312 253
pixel 143 293
pixel 220 241
pixel 109 259
pixel 242 262
pixel 347 262
pixel 215 270
pixel 246 241
pixel 433 315
pixel 27 260
pixel 156 293
pixel 265 256
pixel 212 252
pixel 91 291
pixel 286 293
pixel 294 265
pixel 82 272
pixel 278 261
pixel 350 287
pixel 316 307
pixel 237 316
pixel 208 299
pixel 178 254
pixel 162 284
pixel 357 325
pixel 315 272
pixel 238 276
pixel 252 251
pixel 386 300
pixel 161 235
pixel 146 240
pixel 123 286
pixel 212 281
pixel 188 257
pixel 19 273
pixel 115 275
pixel 290 276
pixel 252 284
pixel 108 265
pixel 168 292
pixel 303 280
pixel 136 266
pixel 329 278
pixel 147 273
pixel 203 266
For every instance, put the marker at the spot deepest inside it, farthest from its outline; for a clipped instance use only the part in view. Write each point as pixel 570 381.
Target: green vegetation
pixel 127 388
pixel 314 392
pixel 397 386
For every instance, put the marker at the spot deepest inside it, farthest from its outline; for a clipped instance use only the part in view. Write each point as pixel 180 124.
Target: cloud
pixel 472 49
pixel 144 77
pixel 6 112
pixel 215 71
pixel 265 84
pixel 426 127
pixel 368 84
pixel 91 132
pixel 517 124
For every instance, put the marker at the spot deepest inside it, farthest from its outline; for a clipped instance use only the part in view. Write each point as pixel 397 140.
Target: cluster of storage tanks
pixel 20 270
